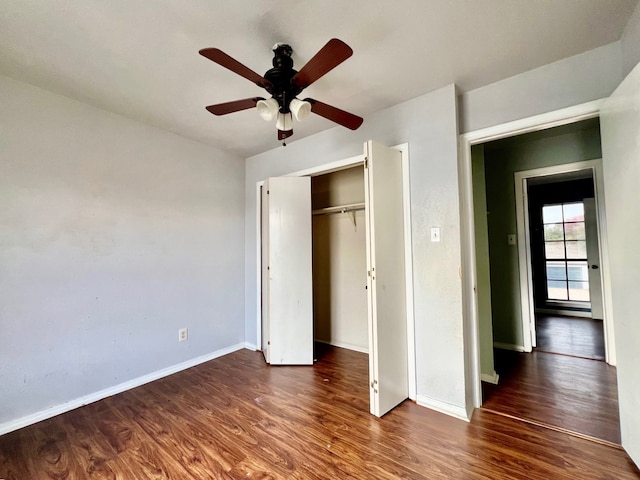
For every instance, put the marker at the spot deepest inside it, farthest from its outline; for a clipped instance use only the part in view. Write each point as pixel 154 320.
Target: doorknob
pixel 594 267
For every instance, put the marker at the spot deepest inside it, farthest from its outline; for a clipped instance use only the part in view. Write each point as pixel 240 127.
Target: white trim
pixel 443 407
pixel 108 392
pixel 525 273
pixel 259 186
pixel 508 346
pixel 408 261
pixel 341 165
pixel 493 378
pixel 536 123
pixel 466 140
pixel 524 250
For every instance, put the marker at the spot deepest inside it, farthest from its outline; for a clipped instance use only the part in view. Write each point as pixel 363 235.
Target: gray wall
pixel 502 159
pixel 582 78
pixel 428 124
pixel 114 235
pixel 621 165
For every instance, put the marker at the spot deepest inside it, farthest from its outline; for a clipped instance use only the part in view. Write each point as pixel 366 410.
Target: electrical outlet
pixel 182 334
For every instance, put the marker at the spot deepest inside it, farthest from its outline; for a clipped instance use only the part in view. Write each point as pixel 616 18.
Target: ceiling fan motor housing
pixel 280 77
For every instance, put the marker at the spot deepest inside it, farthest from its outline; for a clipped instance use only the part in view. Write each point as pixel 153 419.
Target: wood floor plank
pixel 571 393
pixel 236 418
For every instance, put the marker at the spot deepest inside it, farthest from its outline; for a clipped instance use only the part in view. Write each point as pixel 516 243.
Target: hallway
pixel 563 384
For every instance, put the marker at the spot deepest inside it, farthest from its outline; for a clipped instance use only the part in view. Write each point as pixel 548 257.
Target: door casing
pixel 469 277
pixel 524 247
pixel 333 167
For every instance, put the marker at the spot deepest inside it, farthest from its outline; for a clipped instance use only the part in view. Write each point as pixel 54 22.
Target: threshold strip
pixel 556 429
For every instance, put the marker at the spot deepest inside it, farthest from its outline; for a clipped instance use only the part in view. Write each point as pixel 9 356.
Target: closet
pixel 353 257
pixel 340 259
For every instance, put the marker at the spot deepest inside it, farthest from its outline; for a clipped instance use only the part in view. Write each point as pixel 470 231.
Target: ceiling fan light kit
pixel 284 84
pixel 268 109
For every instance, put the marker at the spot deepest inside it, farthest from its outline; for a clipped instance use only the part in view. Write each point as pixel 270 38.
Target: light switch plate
pixel 435 234
pixel 511 239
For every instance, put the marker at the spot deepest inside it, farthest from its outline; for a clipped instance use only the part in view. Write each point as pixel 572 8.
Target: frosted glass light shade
pixel 284 122
pixel 300 109
pixel 268 109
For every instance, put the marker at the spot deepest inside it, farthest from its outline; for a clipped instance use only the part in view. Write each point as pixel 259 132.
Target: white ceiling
pixel 139 58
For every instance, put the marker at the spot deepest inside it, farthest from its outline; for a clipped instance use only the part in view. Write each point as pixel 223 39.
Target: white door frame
pixel 524 247
pixel 333 167
pixel 469 280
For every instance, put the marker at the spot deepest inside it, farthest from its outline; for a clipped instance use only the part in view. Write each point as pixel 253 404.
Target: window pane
pixel 554 250
pixel 557 290
pixel 578 271
pixel 552 214
pixel 577 249
pixel 573 231
pixel 554 231
pixel 557 271
pixel 573 212
pixel 579 291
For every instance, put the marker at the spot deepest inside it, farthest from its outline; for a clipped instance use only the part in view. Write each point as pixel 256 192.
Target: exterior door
pixel 287 275
pixel 388 369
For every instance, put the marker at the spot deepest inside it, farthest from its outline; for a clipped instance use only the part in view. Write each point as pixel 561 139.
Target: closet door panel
pixel 386 278
pixel 289 271
pixel 264 223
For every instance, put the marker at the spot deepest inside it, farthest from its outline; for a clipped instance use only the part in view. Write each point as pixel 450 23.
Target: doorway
pixel 537 188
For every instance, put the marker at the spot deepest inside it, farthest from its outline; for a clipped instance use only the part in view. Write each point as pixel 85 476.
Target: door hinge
pixel 366 162
pixel 267 192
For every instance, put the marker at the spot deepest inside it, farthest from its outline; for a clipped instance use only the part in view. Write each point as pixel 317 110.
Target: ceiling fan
pixel 284 83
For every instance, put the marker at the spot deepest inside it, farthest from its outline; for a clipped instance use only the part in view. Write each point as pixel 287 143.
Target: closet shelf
pixel 352 207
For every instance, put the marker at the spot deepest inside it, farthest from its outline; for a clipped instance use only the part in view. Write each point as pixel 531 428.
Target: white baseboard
pixel 508 346
pixel 348 346
pixel 443 407
pixel 108 392
pixel 251 346
pixel 490 378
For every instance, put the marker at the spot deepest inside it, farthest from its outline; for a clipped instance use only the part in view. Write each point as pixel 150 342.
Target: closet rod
pixel 352 207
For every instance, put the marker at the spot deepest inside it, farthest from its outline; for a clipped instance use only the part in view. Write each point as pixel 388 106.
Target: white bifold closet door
pixel 384 214
pixel 287 292
pixel 287 309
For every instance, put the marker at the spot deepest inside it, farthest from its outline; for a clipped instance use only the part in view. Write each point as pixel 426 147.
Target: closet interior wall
pixel 339 259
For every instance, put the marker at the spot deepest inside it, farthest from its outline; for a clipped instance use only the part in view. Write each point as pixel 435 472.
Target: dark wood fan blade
pixel 235 106
pixel 283 134
pixel 222 59
pixel 329 57
pixel 334 114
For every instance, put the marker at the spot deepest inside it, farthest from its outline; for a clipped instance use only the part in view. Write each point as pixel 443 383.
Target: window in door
pixel 565 250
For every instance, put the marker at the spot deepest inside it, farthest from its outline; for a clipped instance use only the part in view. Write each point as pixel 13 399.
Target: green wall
pixel 483 273
pixel 502 158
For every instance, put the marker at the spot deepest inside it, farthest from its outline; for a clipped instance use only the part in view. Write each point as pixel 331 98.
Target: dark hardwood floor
pixel 580 337
pixel 571 393
pixel 235 417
